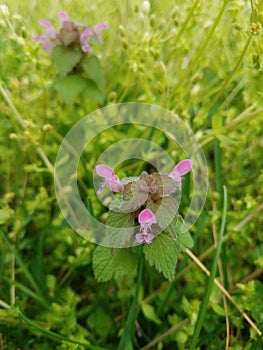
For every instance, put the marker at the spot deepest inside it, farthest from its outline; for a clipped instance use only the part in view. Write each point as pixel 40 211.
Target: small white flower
pixel 146 6
pixel 5 10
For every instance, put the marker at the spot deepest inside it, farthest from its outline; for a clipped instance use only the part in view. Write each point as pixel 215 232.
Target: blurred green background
pixel 202 62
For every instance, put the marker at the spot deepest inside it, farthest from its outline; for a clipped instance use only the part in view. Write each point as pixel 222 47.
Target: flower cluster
pixel 71 34
pixel 141 192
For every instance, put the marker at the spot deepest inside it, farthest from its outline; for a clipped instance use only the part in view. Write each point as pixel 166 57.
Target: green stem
pixel 200 50
pixel 54 335
pixel 218 170
pixel 126 339
pixel 26 272
pixel 210 283
pixel 230 76
pixel 220 190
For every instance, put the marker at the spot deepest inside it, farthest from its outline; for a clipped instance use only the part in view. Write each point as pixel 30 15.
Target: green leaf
pixel 185 241
pixel 165 210
pixel 4 216
pixel 91 65
pixel 185 238
pixel 120 229
pixel 108 264
pixel 149 313
pixel 162 253
pixel 218 309
pixel 71 86
pixel 92 92
pixel 65 58
pixel 217 123
pixel 96 319
pixel 227 140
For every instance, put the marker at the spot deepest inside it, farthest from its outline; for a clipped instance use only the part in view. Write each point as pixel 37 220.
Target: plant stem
pixel 126 338
pixel 202 312
pixel 224 291
pixel 166 334
pixel 227 81
pixel 200 50
pixel 54 335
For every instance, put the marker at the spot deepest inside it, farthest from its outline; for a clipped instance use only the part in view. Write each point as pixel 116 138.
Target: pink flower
pixel 49 38
pixel 97 29
pixel 110 179
pixel 69 34
pixel 63 17
pixel 84 39
pixel 181 169
pixel 91 33
pixel 146 218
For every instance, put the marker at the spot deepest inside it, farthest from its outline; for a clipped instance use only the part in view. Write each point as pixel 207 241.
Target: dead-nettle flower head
pixel 110 179
pixel 146 219
pixel 70 34
pixel 181 169
pixel 139 193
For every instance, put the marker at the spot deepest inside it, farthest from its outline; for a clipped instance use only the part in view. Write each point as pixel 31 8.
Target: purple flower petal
pixel 184 167
pixel 50 32
pixel 139 237
pixel 146 217
pixel 46 45
pixel 149 238
pixel 97 29
pixel 84 39
pixel 110 179
pixel 104 171
pixel 38 38
pixel 63 17
pixel 181 169
pixel 45 23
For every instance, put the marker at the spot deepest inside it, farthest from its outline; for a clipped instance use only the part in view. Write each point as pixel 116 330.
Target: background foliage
pixel 205 64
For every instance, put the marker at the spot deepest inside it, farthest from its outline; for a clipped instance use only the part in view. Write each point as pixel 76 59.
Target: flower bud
pixel 4 9
pixel 237 26
pixel 146 6
pixel 196 78
pixel 255 29
pixel 161 67
pixel 112 96
pixel 125 44
pixel 47 127
pixel 13 136
pixel 136 8
pixel 152 20
pixel 160 87
pixel 122 30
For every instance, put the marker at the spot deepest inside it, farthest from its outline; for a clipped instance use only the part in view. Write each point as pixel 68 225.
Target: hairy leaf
pixel 162 253
pixel 71 86
pixel 4 216
pixel 108 263
pixel 91 66
pixel 65 58
pixel 120 229
pixel 165 210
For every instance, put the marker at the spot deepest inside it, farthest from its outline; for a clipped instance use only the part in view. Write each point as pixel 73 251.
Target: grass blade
pixel 201 315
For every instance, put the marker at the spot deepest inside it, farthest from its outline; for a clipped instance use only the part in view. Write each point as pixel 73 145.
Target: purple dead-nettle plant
pixel 146 218
pixel 72 49
pixel 111 180
pixel 144 196
pixel 71 34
